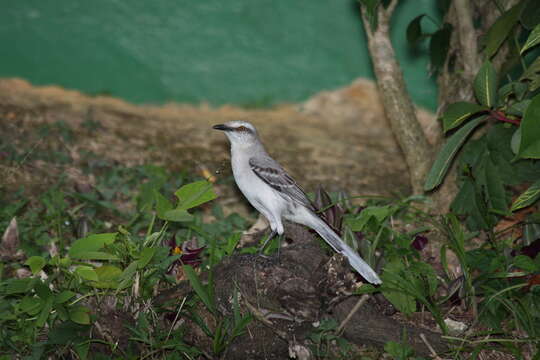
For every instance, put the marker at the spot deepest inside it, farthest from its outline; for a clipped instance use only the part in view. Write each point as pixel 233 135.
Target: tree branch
pixel 397 104
pixel 467 37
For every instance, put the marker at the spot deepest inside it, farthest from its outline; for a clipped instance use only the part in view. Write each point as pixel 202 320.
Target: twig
pixel 497 115
pixel 260 316
pixel 175 318
pixel 431 349
pixel 353 311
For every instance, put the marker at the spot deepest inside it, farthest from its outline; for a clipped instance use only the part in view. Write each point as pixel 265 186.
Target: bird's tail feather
pixel 341 247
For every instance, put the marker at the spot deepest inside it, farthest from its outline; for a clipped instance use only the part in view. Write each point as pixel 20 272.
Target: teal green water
pixel 247 52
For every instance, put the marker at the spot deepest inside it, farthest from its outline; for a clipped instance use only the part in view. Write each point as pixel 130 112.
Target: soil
pixel 337 139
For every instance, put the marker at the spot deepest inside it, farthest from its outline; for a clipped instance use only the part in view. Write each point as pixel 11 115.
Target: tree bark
pixel 397 103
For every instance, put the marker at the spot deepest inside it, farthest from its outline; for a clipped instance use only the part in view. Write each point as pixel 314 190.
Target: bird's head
pixel 239 132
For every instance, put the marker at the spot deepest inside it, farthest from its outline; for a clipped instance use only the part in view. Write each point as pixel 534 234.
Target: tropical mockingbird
pixel 271 191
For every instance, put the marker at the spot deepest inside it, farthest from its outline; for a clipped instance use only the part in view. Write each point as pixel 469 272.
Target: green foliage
pixel 326 344
pixel 447 153
pixel 490 164
pixel 54 310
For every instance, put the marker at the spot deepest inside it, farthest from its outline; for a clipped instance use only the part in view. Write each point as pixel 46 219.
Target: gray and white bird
pixel 276 195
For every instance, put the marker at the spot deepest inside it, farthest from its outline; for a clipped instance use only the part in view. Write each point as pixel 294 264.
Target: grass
pixel 102 249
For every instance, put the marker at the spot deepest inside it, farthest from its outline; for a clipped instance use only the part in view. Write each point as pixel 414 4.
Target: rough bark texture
pixel 397 103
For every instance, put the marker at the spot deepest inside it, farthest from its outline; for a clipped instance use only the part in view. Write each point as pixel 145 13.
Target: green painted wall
pixel 248 52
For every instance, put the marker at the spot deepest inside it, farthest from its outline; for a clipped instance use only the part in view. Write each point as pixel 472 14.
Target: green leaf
pixel 199 287
pixel 178 215
pixel 533 75
pixel 42 290
pixel 378 213
pixel 485 85
pixel 530 16
pixel 458 112
pixel 80 315
pixel 517 109
pixel 530 131
pixel 399 351
pixel 146 255
pixel 89 244
pixel 127 274
pixel 500 29
pixel 517 88
pixel 18 286
pixel 86 272
pixel 45 312
pixel 532 40
pixel 494 190
pixel 525 263
pixel 447 153
pixel 162 204
pixel 96 255
pixel 108 276
pixel 392 287
pixel 36 263
pixel 516 140
pixel 439 45
pixel 528 197
pixel 414 30
pixel 31 305
pixel 195 194
pixel 63 296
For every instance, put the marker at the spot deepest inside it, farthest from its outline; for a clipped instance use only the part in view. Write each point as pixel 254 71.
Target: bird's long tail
pixel 341 247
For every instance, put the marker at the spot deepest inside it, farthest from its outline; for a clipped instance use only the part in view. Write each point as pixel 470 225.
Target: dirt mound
pixel 339 139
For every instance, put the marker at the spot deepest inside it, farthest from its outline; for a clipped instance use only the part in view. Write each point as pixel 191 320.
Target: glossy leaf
pixel 447 154
pixel 529 146
pixel 458 112
pixel 528 197
pixel 532 40
pixel 501 28
pixel 195 194
pixel 485 85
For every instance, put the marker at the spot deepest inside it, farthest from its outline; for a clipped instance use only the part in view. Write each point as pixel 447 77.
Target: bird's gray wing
pixel 269 171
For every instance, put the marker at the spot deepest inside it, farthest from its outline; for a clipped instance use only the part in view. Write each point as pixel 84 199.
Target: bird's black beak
pixel 221 127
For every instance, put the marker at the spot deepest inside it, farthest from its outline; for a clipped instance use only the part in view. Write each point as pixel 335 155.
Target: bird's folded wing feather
pixel 269 171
